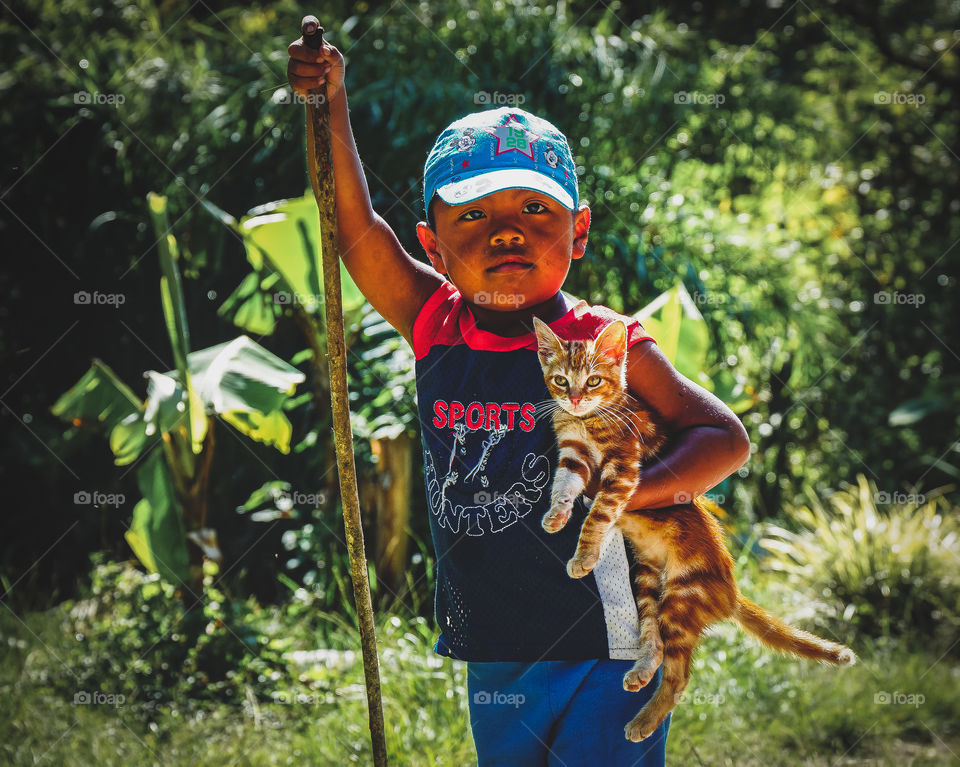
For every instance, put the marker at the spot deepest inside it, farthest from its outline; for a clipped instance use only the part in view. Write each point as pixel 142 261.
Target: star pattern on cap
pixel 513 137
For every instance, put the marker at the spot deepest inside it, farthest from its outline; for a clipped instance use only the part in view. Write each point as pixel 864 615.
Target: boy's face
pixel 471 241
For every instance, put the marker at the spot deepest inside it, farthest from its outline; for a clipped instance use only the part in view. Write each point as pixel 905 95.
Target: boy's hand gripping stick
pixel 320 165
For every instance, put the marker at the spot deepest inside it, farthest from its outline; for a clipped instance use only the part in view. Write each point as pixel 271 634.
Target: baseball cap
pixel 505 148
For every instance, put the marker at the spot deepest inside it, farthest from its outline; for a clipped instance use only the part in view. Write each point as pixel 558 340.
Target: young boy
pixel 546 654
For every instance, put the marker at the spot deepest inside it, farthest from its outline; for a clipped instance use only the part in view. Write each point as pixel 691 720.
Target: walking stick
pixel 320 165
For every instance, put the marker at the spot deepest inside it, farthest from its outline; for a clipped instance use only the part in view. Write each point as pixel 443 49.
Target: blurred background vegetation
pixel 796 166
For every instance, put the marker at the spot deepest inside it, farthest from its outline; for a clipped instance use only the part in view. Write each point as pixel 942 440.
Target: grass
pixel 745 706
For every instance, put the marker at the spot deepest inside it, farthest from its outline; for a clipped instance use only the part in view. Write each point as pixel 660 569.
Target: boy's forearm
pixel 695 461
pixel 355 214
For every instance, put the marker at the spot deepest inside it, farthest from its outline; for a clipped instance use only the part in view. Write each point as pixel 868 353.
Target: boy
pixel 545 653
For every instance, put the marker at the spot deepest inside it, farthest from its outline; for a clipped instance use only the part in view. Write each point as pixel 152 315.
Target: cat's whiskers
pixel 624 422
pixel 609 419
pixel 621 408
pixel 545 407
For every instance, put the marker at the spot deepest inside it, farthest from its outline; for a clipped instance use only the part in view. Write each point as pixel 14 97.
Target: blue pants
pixel 559 714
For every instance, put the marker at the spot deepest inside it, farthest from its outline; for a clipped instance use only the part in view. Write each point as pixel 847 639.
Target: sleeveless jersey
pixel 502 590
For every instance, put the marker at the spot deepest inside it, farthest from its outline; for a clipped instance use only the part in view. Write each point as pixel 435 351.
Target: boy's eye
pixel 593 381
pixel 540 204
pixel 560 380
pixel 468 216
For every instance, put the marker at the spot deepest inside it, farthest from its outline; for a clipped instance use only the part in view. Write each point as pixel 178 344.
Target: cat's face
pixel 582 375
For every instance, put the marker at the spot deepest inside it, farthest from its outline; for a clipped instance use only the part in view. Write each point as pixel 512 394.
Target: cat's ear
pixel 548 345
pixel 612 342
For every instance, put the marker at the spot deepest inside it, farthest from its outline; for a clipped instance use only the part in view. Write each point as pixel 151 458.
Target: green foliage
pixel 794 210
pixel 281 239
pixel 157 534
pixel 136 637
pixel 238 381
pixel 876 568
pixel 745 705
pixel 140 636
pixel 382 381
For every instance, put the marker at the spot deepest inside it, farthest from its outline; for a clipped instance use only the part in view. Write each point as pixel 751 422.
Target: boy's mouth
pixel 511 264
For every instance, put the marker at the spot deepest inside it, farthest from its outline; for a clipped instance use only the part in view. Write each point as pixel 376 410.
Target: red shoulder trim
pixel 433 316
pixel 446 319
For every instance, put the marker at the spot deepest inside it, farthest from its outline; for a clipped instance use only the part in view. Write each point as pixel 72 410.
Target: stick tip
pixel 310 26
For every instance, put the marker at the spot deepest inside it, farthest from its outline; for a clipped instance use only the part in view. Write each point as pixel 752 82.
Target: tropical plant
pixel 281 243
pixel 238 381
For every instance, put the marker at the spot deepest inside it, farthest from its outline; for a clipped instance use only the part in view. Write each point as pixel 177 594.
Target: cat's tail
pixel 779 635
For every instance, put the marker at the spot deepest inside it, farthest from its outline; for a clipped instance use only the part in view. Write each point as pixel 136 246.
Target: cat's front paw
pixel 580 566
pixel 555 519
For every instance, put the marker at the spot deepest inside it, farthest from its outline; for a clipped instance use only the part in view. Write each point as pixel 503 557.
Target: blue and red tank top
pixel 502 590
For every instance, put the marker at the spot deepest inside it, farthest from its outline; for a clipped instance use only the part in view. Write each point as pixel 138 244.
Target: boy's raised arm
pixel 396 284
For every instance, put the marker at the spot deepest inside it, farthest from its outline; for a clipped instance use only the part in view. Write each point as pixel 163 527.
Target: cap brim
pixel 488 182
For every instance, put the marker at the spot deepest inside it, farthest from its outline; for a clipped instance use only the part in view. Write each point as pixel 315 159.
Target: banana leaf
pixel 681 332
pixel 239 380
pixel 673 319
pixel 99 397
pixel 175 314
pixel 156 532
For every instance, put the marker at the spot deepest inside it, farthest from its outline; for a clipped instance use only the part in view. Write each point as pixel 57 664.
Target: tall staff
pixel 320 165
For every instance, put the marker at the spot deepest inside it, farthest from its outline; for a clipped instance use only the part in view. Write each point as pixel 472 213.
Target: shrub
pixel 138 636
pixel 884 570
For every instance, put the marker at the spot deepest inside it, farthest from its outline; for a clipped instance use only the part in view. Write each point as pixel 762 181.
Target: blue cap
pixel 498 149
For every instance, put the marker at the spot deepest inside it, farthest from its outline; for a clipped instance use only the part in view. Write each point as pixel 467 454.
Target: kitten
pixel 684 579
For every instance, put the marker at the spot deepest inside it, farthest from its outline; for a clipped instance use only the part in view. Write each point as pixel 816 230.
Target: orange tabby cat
pixel 684 579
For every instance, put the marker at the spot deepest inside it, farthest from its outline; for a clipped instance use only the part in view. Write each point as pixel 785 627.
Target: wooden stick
pixel 320 164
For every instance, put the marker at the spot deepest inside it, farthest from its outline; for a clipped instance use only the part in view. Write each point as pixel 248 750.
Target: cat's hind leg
pixel 574 467
pixel 680 637
pixel 647 582
pixel 699 590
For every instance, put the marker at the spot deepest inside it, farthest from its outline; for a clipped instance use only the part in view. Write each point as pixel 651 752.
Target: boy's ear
pixel 428 239
pixel 581 228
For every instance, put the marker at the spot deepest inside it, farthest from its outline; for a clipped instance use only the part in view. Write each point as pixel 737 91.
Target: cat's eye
pixel 560 380
pixel 593 381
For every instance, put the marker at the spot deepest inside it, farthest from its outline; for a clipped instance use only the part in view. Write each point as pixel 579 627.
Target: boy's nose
pixel 506 235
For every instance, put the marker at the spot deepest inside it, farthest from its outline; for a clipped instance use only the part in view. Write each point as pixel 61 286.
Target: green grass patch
pixel 299 697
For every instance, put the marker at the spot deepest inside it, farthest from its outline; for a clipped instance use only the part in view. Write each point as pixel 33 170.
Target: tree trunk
pixel 390 512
